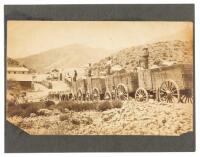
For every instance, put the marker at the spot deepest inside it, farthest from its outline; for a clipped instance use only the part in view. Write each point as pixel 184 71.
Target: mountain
pixel 171 51
pixel 70 56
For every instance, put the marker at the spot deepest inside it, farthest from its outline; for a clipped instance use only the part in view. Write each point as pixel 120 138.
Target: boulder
pixel 75 121
pixel 44 112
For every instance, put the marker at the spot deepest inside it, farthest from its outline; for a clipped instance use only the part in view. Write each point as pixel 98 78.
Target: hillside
pixel 175 51
pixel 12 63
pixel 70 56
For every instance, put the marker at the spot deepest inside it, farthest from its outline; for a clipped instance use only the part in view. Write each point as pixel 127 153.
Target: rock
pixel 164 121
pixel 26 124
pixel 107 117
pixel 33 115
pixel 44 112
pixel 64 117
pixel 56 112
pixel 75 121
pixel 87 120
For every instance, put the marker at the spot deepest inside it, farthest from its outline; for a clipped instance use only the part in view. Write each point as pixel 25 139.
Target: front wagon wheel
pixel 95 94
pixel 169 92
pixel 122 92
pixel 141 95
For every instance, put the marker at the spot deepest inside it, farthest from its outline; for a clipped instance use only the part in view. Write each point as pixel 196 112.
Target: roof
pixel 17 69
pixel 20 77
pixel 55 70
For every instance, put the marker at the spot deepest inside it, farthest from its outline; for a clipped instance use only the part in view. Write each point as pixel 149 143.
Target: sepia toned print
pixel 100 78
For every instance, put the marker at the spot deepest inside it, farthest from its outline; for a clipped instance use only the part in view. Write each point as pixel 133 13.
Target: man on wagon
pixel 75 76
pixel 108 66
pixel 89 70
pixel 143 61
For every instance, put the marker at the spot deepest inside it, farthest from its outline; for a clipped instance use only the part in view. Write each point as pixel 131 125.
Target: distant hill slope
pixel 176 51
pixel 70 56
pixel 12 63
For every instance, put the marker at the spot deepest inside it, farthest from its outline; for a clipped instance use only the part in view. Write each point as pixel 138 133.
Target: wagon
pixel 95 88
pixel 121 85
pixel 166 84
pixel 80 87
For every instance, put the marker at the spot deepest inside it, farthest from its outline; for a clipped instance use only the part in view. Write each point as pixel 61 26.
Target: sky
pixel 25 38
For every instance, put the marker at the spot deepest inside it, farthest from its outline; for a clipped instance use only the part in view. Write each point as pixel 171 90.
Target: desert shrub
pixel 116 104
pixel 76 106
pixel 83 106
pixel 49 104
pixel 103 106
pixel 63 117
pixel 62 105
pixel 25 109
pixel 88 106
pixel 14 86
pixel 10 103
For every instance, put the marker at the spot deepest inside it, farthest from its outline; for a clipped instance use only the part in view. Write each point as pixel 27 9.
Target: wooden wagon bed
pixel 151 79
pixel 175 79
pixel 123 84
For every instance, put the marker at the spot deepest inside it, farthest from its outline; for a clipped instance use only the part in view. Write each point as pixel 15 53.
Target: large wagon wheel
pixel 122 92
pixel 80 95
pixel 95 94
pixel 187 97
pixel 107 95
pixel 141 95
pixel 169 92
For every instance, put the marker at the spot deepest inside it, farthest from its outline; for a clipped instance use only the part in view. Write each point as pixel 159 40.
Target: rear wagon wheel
pixel 187 97
pixel 169 92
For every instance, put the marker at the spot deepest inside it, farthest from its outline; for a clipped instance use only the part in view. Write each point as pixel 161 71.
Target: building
pixel 21 76
pixel 17 70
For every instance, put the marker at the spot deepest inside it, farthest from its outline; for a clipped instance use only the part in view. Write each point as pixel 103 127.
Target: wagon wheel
pixel 169 92
pixel 87 96
pixel 95 94
pixel 122 92
pixel 141 95
pixel 187 97
pixel 80 95
pixel 107 95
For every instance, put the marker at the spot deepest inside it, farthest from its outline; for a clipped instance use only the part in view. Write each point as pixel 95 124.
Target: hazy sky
pixel 26 38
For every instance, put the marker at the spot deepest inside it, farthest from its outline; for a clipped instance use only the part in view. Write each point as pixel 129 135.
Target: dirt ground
pixel 133 118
